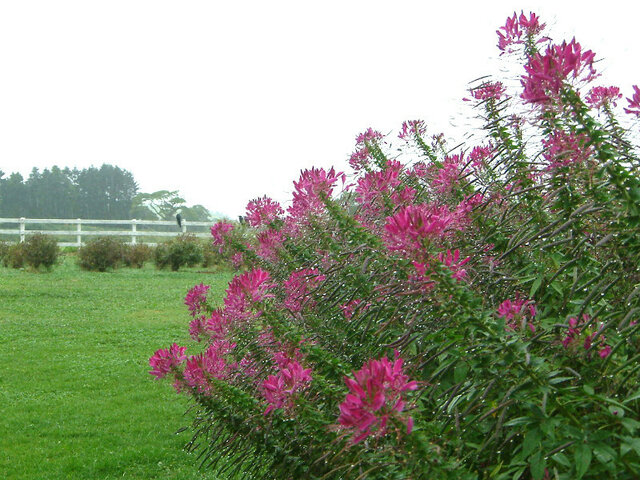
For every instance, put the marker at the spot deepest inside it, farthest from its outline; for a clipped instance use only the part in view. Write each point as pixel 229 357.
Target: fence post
pixel 22 223
pixel 133 231
pixel 184 226
pixel 79 232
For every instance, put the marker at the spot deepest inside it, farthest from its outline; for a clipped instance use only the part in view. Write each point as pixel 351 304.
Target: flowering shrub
pixel 471 313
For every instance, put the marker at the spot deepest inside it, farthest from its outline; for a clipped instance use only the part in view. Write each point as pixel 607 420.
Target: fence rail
pixel 22 229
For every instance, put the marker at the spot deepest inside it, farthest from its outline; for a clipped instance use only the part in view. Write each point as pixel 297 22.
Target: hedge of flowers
pixel 466 312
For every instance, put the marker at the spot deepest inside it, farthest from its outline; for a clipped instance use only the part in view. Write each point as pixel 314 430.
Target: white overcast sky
pixel 227 101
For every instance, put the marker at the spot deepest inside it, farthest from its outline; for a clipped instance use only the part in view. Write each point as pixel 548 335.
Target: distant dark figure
pixel 241 219
pixel 179 220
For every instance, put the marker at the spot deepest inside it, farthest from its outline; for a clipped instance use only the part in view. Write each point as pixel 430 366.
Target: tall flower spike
pixel 546 74
pixel 376 396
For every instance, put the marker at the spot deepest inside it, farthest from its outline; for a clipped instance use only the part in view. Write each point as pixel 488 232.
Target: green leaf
pixel 460 372
pixel 633 397
pixel 588 389
pixel 535 286
pixel 556 286
pixel 630 424
pixel 519 421
pixel 531 441
pixel 537 465
pixel 582 459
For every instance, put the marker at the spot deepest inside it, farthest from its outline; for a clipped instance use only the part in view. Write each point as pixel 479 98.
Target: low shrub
pixel 101 254
pixel 213 259
pixel 4 248
pixel 184 250
pixel 41 250
pixel 14 256
pixel 136 255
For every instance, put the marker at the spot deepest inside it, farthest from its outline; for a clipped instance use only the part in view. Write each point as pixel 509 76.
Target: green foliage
pixel 40 249
pixel 4 248
pixel 136 255
pixel 104 192
pixel 184 250
pixel 101 254
pixel 212 258
pixel 14 256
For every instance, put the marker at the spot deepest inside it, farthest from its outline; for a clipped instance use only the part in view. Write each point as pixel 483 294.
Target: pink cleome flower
pixel 634 102
pixel 349 308
pixel 309 188
pixel 217 325
pixel 376 395
pixel 374 186
pixel 562 149
pixel 518 313
pixel 298 288
pixel 410 228
pixel 245 291
pixel 479 155
pixel 412 129
pixel 488 91
pixel 220 232
pixel 269 242
pixel 359 159
pixel 369 136
pixel 575 332
pixel 196 299
pixel 599 97
pixel 547 73
pixel 210 364
pixel 517 27
pixel 165 360
pixel 280 390
pixel 263 211
pixel 447 177
pixel 452 260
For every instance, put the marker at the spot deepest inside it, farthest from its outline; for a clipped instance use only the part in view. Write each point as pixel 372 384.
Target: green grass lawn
pixel 76 399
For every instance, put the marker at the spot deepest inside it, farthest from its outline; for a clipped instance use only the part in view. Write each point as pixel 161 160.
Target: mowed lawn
pixel 76 399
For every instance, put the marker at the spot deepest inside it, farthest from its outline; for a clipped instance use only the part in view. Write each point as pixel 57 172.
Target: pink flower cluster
pixel 263 211
pixel 516 28
pixel 165 360
pixel 479 155
pixel 269 242
pixel 562 149
pixel 518 313
pixel 196 299
pixel 599 97
pixel 412 129
pixel 376 396
pixel 308 189
pixel 299 286
pixel 413 227
pixel 446 177
pixel 279 390
pixel 577 329
pixel 349 308
pixel 369 136
pixel 452 260
pixel 220 232
pixel 245 291
pixel 210 364
pixel 488 91
pixel 634 102
pixel 546 74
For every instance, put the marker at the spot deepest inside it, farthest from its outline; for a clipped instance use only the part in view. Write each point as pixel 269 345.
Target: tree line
pixel 105 192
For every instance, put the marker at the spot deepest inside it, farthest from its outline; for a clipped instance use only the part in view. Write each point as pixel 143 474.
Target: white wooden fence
pixel 133 233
